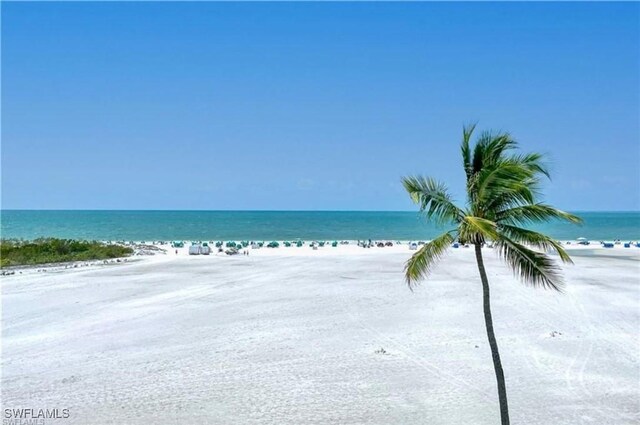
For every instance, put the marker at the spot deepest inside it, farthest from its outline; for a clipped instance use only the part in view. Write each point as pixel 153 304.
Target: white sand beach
pixel 333 336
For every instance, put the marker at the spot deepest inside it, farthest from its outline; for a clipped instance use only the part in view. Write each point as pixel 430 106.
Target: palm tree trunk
pixel 497 365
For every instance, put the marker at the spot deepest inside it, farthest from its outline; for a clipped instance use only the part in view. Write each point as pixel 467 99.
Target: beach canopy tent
pixel 334 244
pixel 273 244
pixel 177 244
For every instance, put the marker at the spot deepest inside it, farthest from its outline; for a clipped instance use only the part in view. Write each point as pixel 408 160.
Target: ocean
pixel 273 225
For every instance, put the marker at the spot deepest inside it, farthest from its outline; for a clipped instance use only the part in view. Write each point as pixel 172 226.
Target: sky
pixel 308 106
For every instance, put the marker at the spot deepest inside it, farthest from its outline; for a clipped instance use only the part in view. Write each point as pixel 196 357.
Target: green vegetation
pixel 49 250
pixel 501 190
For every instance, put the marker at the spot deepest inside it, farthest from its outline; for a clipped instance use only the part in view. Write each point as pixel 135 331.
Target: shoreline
pixel 164 252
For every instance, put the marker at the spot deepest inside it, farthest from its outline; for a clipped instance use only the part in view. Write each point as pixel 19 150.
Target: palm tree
pixel 502 188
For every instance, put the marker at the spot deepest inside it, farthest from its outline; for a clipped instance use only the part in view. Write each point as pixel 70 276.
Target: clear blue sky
pixel 309 106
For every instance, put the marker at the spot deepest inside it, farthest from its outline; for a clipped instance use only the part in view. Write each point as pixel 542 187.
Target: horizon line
pixel 259 210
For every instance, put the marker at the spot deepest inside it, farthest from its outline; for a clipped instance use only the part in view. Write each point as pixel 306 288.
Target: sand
pixel 294 336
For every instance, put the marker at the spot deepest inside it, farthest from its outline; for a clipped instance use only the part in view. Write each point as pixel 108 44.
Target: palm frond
pixel 532 267
pixel 433 198
pixel 477 230
pixel 490 148
pixel 534 213
pixel 505 182
pixel 421 263
pixel 467 131
pixel 535 239
pixel 534 161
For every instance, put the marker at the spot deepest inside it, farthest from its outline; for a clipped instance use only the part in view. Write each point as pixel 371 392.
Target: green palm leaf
pixel 421 263
pixel 532 267
pixel 467 131
pixel 504 183
pixel 490 148
pixel 533 213
pixel 477 230
pixel 535 239
pixel 433 198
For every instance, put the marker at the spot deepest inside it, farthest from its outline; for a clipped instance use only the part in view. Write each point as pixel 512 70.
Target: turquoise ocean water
pixel 267 225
